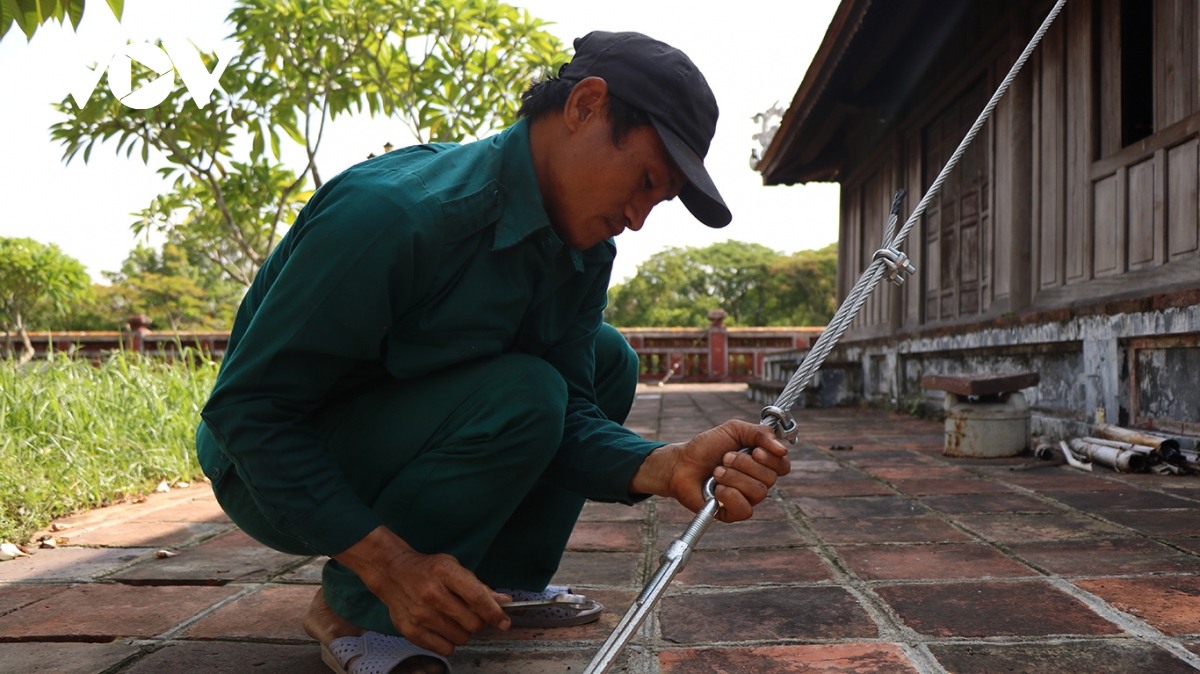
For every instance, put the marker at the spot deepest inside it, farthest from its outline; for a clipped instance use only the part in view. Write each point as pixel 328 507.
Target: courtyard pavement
pixel 884 557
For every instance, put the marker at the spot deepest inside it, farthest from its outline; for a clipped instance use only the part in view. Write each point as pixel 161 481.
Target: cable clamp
pixel 785 426
pixel 897 262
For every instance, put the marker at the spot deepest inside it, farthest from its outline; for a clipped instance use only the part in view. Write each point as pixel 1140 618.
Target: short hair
pixel 550 95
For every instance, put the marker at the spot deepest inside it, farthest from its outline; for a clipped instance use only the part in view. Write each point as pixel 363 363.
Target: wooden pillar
pixel 1014 175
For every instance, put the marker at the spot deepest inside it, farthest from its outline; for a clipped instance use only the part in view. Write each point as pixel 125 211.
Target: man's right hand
pixel 433 600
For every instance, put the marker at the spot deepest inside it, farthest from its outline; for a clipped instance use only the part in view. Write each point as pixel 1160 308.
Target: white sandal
pixel 552 616
pixel 377 653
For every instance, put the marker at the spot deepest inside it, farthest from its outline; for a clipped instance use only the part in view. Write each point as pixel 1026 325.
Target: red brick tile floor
pixel 887 557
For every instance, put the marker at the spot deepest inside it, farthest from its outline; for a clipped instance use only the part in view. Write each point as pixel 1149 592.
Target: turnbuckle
pixel 785 426
pixel 897 262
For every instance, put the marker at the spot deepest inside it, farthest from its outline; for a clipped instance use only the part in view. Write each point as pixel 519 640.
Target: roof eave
pixel 845 24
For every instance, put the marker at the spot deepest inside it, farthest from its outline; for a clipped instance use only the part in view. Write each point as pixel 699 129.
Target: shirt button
pixel 496 198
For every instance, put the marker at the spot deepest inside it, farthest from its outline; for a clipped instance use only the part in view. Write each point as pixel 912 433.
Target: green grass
pixel 75 435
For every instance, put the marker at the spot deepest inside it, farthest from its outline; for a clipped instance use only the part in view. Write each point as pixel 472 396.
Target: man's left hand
pixel 680 470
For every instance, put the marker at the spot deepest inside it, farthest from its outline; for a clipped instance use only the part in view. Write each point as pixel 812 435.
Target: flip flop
pixel 380 653
pixel 584 612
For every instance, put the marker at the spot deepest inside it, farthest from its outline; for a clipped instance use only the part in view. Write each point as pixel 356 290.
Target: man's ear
pixel 587 99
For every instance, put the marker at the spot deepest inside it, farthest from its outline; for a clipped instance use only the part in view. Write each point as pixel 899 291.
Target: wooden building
pixel 1067 240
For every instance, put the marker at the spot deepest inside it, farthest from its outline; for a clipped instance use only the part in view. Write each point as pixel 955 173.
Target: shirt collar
pixel 523 212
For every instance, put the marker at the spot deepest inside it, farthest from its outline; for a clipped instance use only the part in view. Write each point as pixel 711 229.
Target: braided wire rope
pixel 676 555
pixel 874 272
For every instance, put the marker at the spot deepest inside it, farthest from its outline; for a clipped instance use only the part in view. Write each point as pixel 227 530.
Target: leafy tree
pixel 449 69
pixel 802 288
pixel 757 286
pixel 106 307
pixel 176 289
pixel 679 286
pixel 29 14
pixel 33 273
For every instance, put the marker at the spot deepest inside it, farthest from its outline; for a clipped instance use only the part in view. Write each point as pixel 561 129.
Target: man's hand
pixel 433 600
pixel 680 470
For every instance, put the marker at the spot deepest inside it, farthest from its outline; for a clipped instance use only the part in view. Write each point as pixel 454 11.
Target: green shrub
pixel 75 434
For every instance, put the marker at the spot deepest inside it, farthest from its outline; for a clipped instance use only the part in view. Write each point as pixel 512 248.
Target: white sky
pixel 753 53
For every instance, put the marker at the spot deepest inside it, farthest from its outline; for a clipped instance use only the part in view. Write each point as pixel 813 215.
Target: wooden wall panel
pixel 1079 111
pixel 1109 255
pixel 1177 91
pixel 914 288
pixel 874 221
pixel 1109 16
pixel 1052 157
pixel 1183 234
pixel 1144 228
pixel 850 270
pixel 1004 157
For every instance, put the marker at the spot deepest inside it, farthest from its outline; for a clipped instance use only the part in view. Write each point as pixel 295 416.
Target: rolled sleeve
pixel 598 457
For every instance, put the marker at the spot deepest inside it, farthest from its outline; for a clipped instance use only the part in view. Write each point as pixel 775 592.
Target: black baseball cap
pixel 664 83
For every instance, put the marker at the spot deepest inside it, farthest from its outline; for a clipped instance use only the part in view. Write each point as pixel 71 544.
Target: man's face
pixel 602 189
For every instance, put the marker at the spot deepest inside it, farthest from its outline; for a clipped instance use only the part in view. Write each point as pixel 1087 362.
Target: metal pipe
pixel 1121 460
pixel 1144 450
pixel 1070 457
pixel 1165 445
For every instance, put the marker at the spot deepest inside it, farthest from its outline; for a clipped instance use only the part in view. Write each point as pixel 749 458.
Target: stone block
pixel 950 486
pixel 1111 557
pixel 747 534
pixel 857 487
pixel 588 569
pixel 1170 603
pixel 13 597
pixel 993 609
pixel 776 613
pixel 1157 522
pixel 606 536
pixel 888 530
pixel 1115 656
pixel 866 506
pixel 852 658
pixel 270 614
pixel 1057 526
pixel 1127 499
pixel 753 567
pixel 228 657
pixel 230 557
pixel 931 562
pixel 131 534
pixel 69 563
pixel 52 658
pixel 959 504
pixel 101 612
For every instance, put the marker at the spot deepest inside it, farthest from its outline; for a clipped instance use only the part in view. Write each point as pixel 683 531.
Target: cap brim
pixel 700 195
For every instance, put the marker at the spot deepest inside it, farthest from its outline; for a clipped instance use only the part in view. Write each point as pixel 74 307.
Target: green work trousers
pixel 452 462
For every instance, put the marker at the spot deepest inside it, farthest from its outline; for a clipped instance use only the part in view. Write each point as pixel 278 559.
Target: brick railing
pixel 137 337
pixel 715 353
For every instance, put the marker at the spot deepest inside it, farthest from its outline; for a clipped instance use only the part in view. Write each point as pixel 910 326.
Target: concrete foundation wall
pixel 1137 368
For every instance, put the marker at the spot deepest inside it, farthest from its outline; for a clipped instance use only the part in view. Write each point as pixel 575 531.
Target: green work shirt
pixel 404 265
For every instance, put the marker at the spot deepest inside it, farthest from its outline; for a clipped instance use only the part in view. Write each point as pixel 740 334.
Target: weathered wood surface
pixel 980 385
pixel 1052 207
